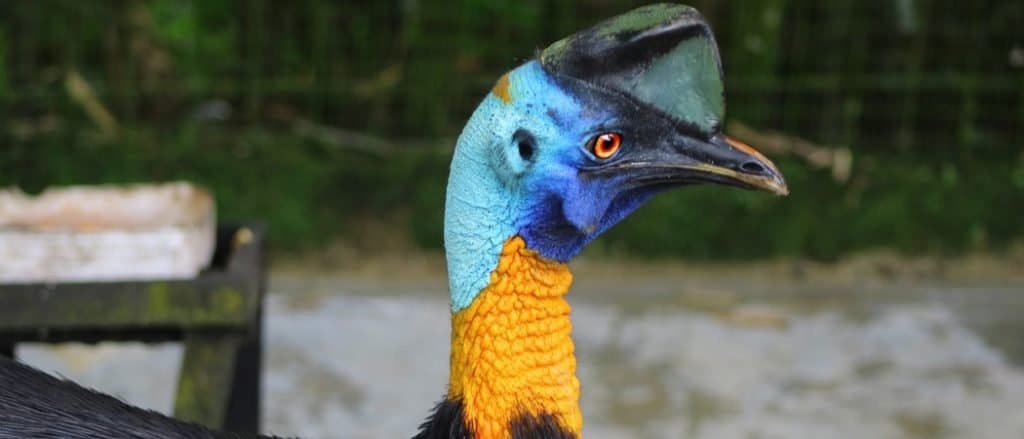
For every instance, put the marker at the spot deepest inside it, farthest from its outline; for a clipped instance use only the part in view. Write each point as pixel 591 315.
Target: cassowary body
pixel 564 147
pixel 39 406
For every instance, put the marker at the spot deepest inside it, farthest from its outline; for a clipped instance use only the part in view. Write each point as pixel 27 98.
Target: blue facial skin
pixel 516 171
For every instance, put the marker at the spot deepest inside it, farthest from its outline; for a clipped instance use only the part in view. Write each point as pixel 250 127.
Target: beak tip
pixel 779 187
pixel 770 178
pixel 774 187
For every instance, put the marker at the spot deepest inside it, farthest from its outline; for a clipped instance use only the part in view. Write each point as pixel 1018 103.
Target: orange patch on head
pixel 501 89
pixel 512 353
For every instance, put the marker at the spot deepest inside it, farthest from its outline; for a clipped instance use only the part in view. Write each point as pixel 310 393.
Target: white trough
pixel 106 233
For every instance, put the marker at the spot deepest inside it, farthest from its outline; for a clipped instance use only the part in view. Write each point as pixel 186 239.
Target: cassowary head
pixel 570 143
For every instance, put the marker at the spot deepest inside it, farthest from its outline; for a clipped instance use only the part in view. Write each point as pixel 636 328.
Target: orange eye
pixel 605 145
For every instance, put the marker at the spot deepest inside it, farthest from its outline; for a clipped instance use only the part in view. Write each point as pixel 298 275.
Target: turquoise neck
pixel 481 206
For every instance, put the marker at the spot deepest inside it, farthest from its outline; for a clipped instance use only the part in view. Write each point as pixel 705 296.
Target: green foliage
pixel 926 94
pixel 310 192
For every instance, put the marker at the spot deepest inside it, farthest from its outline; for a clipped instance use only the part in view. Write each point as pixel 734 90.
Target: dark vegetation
pixel 903 120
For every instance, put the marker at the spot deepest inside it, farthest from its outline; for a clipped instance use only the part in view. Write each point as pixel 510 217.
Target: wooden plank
pixel 211 300
pixel 207 374
pixel 92 335
pixel 243 411
pixel 218 314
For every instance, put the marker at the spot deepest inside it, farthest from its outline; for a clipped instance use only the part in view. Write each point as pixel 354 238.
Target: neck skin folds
pixel 512 357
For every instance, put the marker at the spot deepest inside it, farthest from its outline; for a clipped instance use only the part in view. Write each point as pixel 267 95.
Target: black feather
pixel 36 405
pixel 542 426
pixel 448 422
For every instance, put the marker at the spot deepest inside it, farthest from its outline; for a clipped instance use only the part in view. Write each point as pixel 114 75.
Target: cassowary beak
pixel 688 160
pixel 731 162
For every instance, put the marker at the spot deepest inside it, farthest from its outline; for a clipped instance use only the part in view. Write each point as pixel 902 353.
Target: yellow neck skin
pixel 512 354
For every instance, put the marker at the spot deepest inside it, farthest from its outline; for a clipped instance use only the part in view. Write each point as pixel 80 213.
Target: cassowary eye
pixel 605 145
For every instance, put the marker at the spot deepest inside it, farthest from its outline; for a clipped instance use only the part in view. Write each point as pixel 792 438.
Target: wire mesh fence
pixel 935 82
pixel 874 74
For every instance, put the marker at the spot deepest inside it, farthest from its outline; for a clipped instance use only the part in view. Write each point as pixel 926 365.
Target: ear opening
pixel 513 156
pixel 526 144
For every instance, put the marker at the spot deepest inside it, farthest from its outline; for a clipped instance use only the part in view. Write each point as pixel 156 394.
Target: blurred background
pixel 877 300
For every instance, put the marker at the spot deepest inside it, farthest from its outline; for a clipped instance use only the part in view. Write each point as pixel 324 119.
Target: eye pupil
pixel 525 150
pixel 606 145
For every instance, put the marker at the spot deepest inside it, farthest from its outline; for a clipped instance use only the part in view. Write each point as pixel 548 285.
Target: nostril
pixel 753 168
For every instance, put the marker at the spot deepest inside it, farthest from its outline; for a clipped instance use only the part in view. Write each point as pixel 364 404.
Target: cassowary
pixel 564 146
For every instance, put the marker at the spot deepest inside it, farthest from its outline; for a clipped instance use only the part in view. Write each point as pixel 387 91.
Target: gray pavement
pixel 351 361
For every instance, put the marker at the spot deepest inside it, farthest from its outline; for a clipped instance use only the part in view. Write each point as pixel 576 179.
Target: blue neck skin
pixel 494 193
